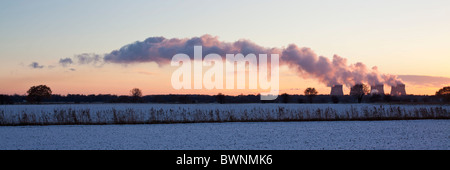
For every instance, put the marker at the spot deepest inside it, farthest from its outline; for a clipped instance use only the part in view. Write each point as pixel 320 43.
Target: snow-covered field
pixel 88 114
pixel 242 126
pixel 393 134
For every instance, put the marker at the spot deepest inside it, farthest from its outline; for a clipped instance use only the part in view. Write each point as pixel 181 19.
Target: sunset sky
pixel 406 38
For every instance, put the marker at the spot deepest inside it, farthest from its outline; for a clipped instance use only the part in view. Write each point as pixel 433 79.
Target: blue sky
pixel 400 37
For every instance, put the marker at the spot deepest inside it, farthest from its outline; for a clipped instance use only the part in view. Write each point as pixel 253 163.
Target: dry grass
pixel 70 116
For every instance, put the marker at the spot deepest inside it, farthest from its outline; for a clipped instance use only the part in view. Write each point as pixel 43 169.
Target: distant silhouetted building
pixel 377 89
pixel 398 90
pixel 336 90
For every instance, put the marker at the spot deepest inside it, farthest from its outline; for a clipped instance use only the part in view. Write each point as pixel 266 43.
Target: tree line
pixel 43 94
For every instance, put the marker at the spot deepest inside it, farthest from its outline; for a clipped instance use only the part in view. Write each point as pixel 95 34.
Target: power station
pixel 377 89
pixel 336 90
pixel 398 90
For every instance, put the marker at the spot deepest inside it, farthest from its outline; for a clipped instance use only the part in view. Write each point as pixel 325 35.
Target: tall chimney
pixel 398 90
pixel 377 89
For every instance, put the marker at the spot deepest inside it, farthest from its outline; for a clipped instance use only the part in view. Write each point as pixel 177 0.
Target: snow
pixel 398 134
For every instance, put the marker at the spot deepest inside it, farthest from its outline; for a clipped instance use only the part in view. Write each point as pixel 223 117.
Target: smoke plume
pixel 161 50
pixel 335 71
pixel 300 59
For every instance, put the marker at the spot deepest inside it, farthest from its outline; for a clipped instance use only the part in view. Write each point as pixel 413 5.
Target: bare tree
pixel 444 93
pixel 136 95
pixel 310 92
pixel 37 93
pixel 359 90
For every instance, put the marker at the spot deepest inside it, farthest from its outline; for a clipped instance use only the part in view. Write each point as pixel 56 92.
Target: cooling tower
pixel 357 89
pixel 398 90
pixel 377 89
pixel 336 90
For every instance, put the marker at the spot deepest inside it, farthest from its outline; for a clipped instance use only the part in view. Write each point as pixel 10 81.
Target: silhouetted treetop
pixel 37 93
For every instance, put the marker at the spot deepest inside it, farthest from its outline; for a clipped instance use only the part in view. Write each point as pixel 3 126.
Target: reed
pixel 83 116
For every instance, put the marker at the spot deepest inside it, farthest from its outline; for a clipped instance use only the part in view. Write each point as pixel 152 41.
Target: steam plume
pixel 301 59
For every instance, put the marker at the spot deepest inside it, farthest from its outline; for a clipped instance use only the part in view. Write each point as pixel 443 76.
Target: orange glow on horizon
pixel 152 80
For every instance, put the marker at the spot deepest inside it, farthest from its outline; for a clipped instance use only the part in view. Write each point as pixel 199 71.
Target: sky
pixel 408 38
